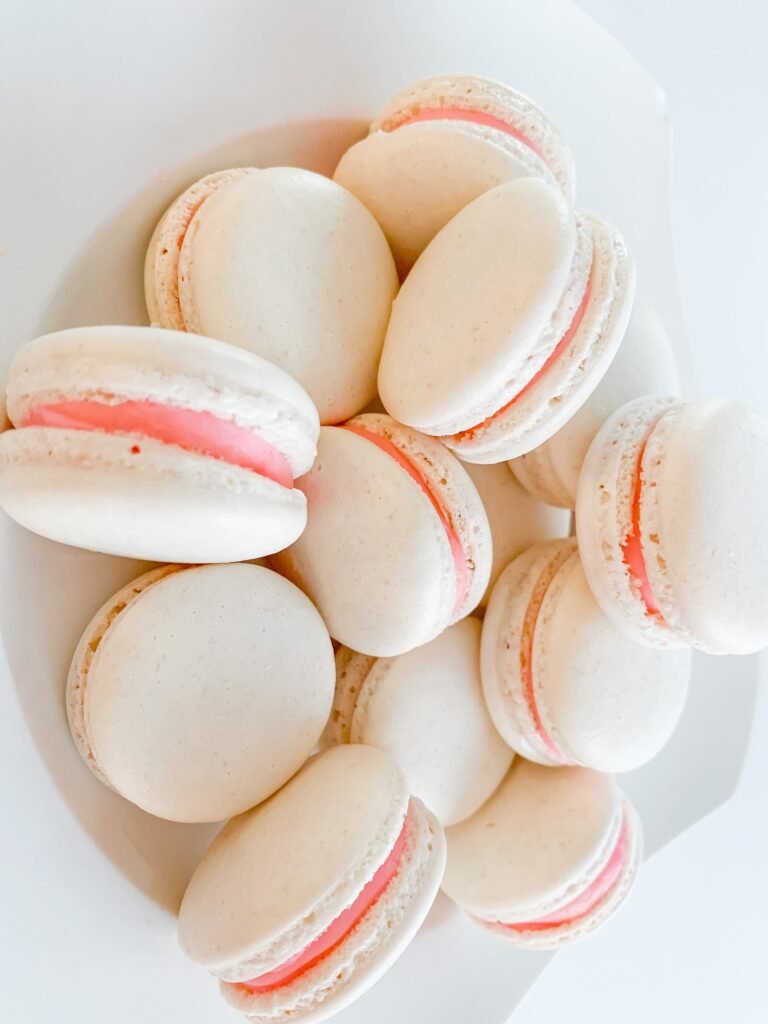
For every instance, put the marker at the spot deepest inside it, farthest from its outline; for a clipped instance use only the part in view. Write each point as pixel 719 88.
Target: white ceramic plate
pixel 107 111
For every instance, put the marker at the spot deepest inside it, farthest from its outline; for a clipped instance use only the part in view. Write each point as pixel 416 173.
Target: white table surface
pixel 692 943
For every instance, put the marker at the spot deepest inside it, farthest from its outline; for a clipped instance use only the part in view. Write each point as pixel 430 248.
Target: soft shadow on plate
pixel 51 591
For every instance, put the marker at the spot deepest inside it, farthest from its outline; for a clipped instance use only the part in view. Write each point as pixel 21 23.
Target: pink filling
pixel 337 930
pixel 459 558
pixel 474 117
pixel 199 432
pixel 557 351
pixel 632 548
pixel 589 899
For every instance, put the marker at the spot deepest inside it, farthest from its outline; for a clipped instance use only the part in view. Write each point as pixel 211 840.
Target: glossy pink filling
pixel 457 551
pixel 632 548
pixel 588 900
pixel 337 930
pixel 473 117
pixel 199 432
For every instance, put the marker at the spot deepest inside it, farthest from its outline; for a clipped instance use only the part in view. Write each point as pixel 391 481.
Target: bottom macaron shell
pixel 371 948
pixel 139 498
pixel 560 935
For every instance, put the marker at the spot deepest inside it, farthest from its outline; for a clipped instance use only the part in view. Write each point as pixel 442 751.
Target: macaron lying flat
pixel 426 709
pixel 644 365
pixel 550 857
pixel 397 545
pixel 286 264
pixel 302 904
pixel 155 444
pixel 670 521
pixel 562 683
pixel 439 144
pixel 197 692
pixel 517 519
pixel 506 323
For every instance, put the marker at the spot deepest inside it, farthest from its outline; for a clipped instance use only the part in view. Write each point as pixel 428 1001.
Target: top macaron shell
pixel 186 708
pixel 375 557
pixel 285 263
pixel 485 308
pixel 414 177
pixel 704 486
pixel 131 495
pixel 644 365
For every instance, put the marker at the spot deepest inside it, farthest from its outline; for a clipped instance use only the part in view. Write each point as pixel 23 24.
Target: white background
pixel 692 943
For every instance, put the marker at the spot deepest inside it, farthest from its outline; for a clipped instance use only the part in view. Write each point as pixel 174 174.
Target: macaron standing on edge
pixel 197 692
pixel 670 521
pixel 644 365
pixel 425 708
pixel 440 143
pixel 563 685
pixel 154 444
pixel 507 322
pixel 286 264
pixel 301 904
pixel 549 858
pixel 397 545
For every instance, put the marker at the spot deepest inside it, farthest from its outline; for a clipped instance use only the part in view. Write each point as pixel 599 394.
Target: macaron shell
pixel 644 365
pixel 293 267
pixel 543 837
pixel 185 708
pixel 516 518
pixel 426 708
pixel 351 672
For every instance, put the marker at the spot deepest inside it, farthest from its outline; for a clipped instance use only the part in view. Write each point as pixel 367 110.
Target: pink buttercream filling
pixel 457 551
pixel 338 929
pixel 586 901
pixel 632 548
pixel 555 354
pixel 199 432
pixel 473 117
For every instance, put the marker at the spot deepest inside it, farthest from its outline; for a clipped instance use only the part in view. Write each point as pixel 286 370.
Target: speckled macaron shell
pixel 129 495
pixel 286 264
pixel 485 307
pixel 276 877
pixel 704 486
pixel 644 365
pixel 426 708
pixel 197 692
pixel 375 557
pixel 598 699
pixel 541 839
pixel 415 177
pixel 517 519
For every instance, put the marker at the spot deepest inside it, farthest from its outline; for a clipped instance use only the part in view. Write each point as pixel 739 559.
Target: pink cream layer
pixel 337 930
pixel 459 558
pixel 588 900
pixel 199 432
pixel 553 357
pixel 471 116
pixel 632 548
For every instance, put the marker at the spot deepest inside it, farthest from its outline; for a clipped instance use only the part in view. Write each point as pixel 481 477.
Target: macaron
pixel 644 365
pixel 507 322
pixel 425 708
pixel 669 517
pixel 301 904
pixel 155 444
pixel 517 519
pixel 550 857
pixel 397 545
pixel 440 143
pixel 195 693
pixel 563 685
pixel 286 264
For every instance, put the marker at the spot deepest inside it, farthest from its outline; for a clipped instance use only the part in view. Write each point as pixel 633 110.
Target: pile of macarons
pixel 353 438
